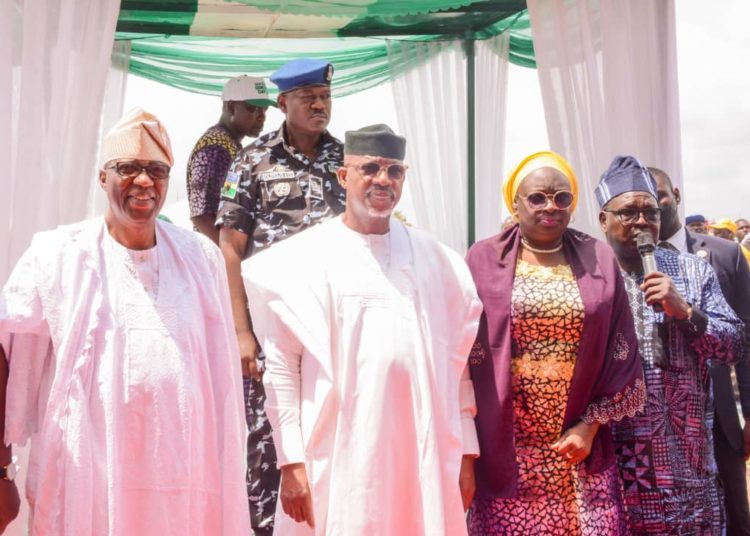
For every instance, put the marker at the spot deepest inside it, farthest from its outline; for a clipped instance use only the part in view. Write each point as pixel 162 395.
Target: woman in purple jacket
pixel 556 360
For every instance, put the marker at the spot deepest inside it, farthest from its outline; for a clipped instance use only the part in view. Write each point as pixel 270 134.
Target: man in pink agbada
pixel 367 326
pixel 120 364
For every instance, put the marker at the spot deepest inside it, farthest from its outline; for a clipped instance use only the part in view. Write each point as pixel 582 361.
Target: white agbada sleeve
pixel 283 357
pixel 468 412
pixel 25 338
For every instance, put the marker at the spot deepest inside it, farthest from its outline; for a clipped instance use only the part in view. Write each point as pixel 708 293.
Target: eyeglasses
pixel 629 216
pixel 395 172
pixel 130 170
pixel 561 199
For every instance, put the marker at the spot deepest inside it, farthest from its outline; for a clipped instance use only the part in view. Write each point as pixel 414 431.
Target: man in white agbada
pixel 367 326
pixel 123 367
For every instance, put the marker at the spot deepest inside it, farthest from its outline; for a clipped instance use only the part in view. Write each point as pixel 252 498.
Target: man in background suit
pixel 731 441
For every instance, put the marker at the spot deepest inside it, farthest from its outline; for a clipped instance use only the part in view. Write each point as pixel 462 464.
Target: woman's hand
pixel 575 443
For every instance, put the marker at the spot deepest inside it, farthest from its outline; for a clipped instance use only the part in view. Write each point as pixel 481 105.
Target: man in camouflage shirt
pixel 279 185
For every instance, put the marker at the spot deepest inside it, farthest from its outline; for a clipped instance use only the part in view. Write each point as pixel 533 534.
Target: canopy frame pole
pixel 470 139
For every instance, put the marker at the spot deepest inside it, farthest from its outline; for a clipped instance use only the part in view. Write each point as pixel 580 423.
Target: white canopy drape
pixel 431 108
pixel 491 105
pixel 430 104
pixel 54 59
pixel 608 74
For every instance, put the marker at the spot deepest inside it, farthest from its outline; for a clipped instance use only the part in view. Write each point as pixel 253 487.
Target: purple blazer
pixel 607 382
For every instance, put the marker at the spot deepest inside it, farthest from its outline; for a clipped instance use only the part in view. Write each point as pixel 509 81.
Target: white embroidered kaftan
pixel 124 372
pixel 366 345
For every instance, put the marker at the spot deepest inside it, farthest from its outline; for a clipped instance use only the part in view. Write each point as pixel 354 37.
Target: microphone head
pixel 645 243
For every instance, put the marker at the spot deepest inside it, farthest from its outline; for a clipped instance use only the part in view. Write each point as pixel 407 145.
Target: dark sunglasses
pixel 561 199
pixel 629 216
pixel 395 172
pixel 130 170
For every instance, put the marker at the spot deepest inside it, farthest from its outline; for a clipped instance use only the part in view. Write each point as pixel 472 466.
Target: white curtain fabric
pixel 431 107
pixel 112 110
pixel 54 59
pixel 608 75
pixel 430 102
pixel 491 90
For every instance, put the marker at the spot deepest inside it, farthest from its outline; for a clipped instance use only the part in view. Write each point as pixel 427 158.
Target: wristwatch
pixel 10 471
pixel 695 323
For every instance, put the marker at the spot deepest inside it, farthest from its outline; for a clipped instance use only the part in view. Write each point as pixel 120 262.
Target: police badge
pixel 282 189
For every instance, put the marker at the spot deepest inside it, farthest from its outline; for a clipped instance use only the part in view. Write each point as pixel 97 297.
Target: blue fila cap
pixel 301 73
pixel 625 174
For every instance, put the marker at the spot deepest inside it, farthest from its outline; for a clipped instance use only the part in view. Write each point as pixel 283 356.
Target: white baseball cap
pixel 246 88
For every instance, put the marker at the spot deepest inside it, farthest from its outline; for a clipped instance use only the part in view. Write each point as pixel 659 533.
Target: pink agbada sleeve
pixel 24 336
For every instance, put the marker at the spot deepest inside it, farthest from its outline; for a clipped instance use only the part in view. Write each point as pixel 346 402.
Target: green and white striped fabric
pixel 197 45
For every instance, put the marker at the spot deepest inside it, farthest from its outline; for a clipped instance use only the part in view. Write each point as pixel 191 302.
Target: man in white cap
pixel 243 113
pixel 123 366
pixel 366 348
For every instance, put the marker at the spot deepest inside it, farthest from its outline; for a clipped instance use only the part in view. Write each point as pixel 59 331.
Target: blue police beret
pixel 302 73
pixel 695 218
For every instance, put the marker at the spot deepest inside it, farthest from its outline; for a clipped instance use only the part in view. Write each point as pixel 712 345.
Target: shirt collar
pixel 280 137
pixel 679 240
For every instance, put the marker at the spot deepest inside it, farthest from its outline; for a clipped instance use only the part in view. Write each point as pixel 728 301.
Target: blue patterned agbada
pixel 665 454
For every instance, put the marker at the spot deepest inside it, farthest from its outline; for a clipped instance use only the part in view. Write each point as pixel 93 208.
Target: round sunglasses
pixel 395 172
pixel 561 199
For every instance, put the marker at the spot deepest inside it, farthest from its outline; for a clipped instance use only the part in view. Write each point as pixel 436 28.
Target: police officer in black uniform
pixel 279 185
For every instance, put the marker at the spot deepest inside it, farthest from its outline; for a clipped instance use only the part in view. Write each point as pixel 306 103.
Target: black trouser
pixel 262 475
pixel 731 464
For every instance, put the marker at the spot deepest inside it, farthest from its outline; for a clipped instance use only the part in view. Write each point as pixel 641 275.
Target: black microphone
pixel 645 245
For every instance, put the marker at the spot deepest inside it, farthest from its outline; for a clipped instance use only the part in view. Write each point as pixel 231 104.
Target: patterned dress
pixel 553 497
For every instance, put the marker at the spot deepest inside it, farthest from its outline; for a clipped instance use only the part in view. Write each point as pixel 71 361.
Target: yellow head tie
pixel 532 163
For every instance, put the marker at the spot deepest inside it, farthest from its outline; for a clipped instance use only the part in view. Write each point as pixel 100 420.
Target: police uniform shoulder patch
pixel 229 190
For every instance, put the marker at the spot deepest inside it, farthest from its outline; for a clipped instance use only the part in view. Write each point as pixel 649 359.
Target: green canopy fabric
pixel 196 45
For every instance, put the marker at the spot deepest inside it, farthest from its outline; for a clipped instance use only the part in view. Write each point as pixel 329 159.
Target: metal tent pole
pixel 470 138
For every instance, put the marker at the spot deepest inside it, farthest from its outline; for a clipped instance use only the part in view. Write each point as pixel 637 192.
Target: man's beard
pixel 384 212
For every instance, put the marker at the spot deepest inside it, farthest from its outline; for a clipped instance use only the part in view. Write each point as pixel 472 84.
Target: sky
pixel 713 47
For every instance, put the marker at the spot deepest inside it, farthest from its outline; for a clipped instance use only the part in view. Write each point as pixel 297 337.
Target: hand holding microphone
pixel 646 247
pixel 658 288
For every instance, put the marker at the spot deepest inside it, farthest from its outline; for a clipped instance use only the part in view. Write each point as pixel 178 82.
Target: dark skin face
pixel 621 237
pixel 370 200
pixel 743 227
pixel 243 119
pixel 134 204
pixel 697 227
pixel 669 199
pixel 308 110
pixel 542 227
pixel 726 234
